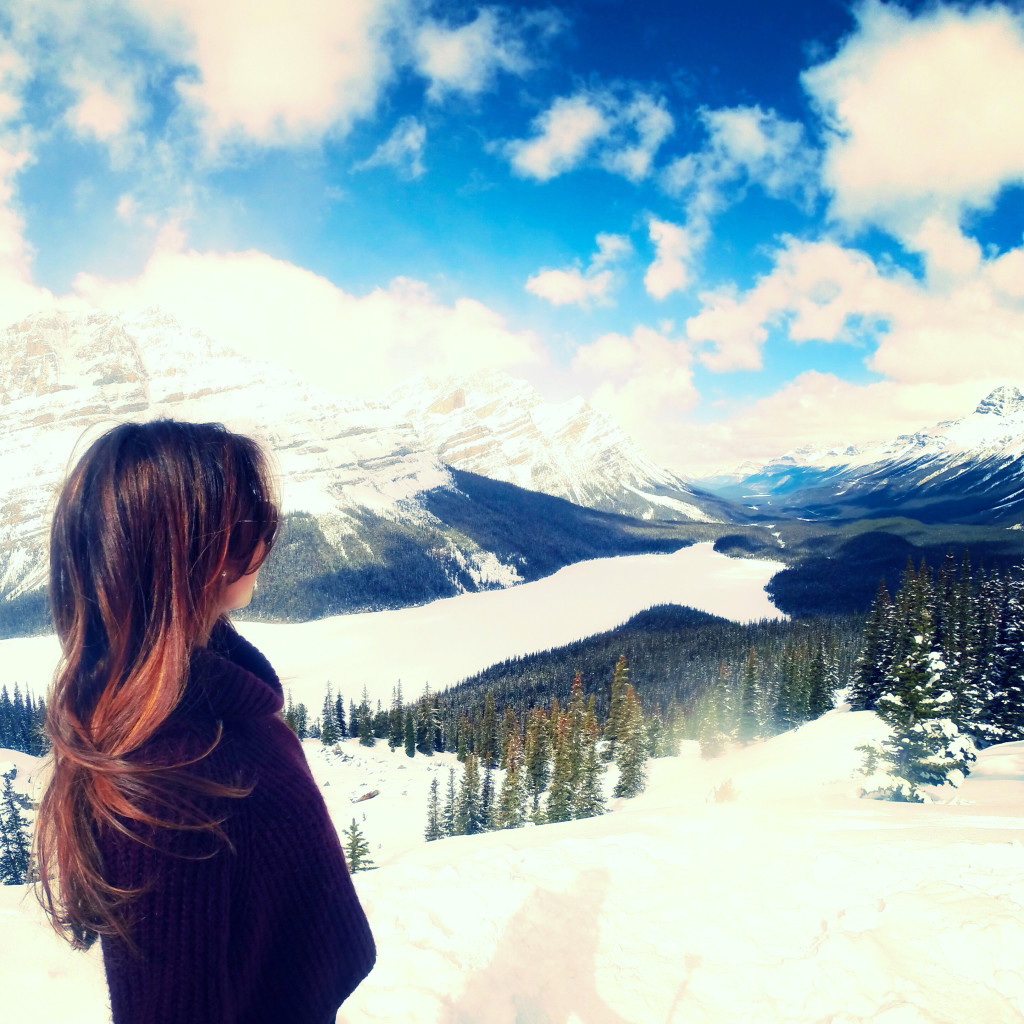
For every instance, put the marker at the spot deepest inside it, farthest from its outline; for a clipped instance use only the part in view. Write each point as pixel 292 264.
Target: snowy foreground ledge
pixel 794 902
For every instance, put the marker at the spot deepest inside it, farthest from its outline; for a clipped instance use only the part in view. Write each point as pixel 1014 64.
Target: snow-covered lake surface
pixel 793 902
pixel 444 642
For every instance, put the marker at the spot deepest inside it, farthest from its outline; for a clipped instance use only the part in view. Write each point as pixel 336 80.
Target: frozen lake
pixel 443 642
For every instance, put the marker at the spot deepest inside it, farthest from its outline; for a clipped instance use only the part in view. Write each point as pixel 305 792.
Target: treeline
pixel 835 574
pixel 730 680
pixel 943 666
pixel 553 767
pixel 21 722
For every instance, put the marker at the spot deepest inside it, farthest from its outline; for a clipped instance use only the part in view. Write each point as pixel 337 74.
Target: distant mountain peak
pixel 1004 401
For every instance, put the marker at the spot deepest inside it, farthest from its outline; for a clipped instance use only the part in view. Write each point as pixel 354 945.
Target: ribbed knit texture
pixel 266 931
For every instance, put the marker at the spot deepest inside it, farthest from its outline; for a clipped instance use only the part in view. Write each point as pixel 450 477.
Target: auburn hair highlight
pixel 151 525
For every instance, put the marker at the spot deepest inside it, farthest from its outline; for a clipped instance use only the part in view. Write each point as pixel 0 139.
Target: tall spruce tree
pixel 451 806
pixel 396 720
pixel 469 816
pixel 511 804
pixel 329 734
pixel 14 838
pixel 538 753
pixel 435 827
pixel 631 751
pixel 590 800
pixel 560 795
pixel 616 697
pixel 410 734
pixel 1002 710
pixel 365 719
pixel 926 746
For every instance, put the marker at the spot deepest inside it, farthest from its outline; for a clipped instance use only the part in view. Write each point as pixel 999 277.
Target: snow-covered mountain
pixel 369 477
pixel 969 470
pixel 499 427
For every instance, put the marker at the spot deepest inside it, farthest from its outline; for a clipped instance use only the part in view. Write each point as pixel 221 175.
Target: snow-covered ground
pixel 794 901
pixel 444 642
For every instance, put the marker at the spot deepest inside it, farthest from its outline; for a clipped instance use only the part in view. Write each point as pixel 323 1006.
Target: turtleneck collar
pixel 231 678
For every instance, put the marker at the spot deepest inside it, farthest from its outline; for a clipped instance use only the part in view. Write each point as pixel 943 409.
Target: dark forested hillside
pixel 776 673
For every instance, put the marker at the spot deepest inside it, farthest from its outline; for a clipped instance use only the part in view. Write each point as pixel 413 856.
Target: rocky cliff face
pixel 502 428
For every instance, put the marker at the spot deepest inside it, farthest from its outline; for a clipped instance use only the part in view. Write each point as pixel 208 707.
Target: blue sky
pixel 737 227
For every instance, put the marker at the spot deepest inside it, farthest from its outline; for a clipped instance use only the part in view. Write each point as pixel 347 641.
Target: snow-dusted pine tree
pixel 329 734
pixel 450 806
pixel 435 828
pixel 538 753
pixel 14 838
pixel 357 850
pixel 1002 711
pixel 927 746
pixel 631 752
pixel 511 804
pixel 469 817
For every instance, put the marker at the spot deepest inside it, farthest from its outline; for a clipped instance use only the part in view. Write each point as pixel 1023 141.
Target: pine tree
pixel 509 725
pixel 538 753
pixel 301 721
pixel 426 723
pixel 410 734
pixel 926 747
pixel 329 734
pixel 357 850
pixel 396 720
pixel 631 752
pixel 872 664
pixel 469 817
pixel 616 697
pixel 490 741
pixel 451 807
pixel 511 803
pixel 435 828
pixel 590 798
pixel 1001 717
pixel 14 838
pixel 819 690
pixel 560 795
pixel 487 809
pixel 339 716
pixel 365 719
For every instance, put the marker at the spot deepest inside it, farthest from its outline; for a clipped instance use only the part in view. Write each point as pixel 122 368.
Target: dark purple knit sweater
pixel 266 931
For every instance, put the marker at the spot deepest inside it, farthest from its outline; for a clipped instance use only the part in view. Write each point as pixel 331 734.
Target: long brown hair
pixel 152 524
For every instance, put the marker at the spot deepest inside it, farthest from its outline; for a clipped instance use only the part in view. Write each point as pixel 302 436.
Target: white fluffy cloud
pixel 644 380
pixel 563 137
pixel 467 59
pixel 623 135
pixel 402 150
pixel 823 409
pixel 745 146
pixel 924 113
pixel 281 73
pixel 282 313
pixel 965 323
pixel 674 247
pixel 576 286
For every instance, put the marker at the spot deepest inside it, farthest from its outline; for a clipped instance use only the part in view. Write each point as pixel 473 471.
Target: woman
pixel 182 824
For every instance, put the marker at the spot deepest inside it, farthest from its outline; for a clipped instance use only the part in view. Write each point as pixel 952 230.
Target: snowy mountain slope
pixel 795 902
pixel 494 425
pixel 358 472
pixel 969 470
